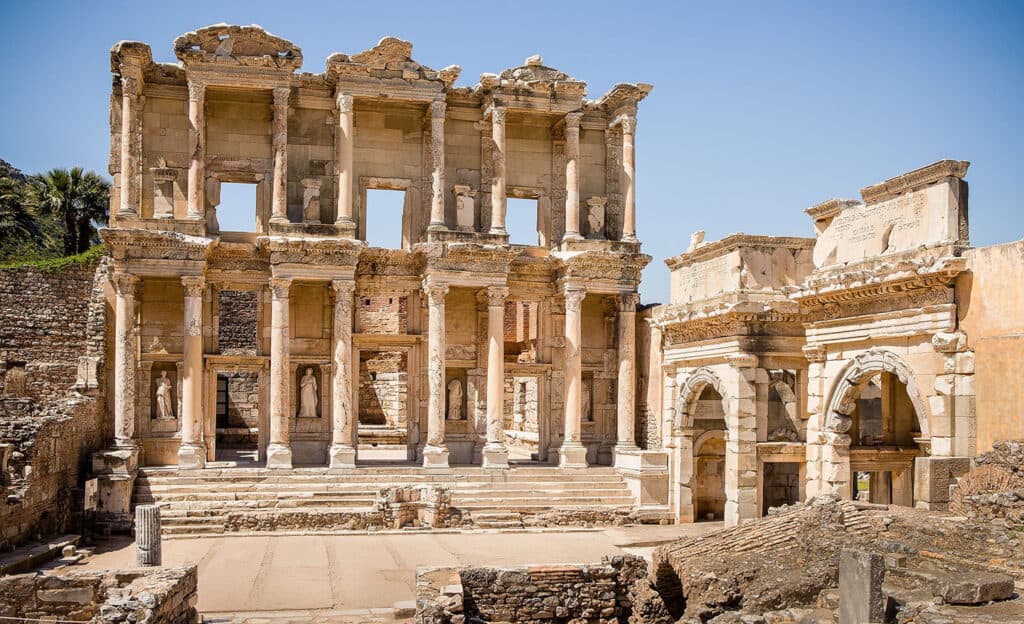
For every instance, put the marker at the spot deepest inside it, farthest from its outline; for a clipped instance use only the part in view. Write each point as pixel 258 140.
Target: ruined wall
pixel 142 596
pixel 991 312
pixel 48 321
pixel 237 322
pixel 383 389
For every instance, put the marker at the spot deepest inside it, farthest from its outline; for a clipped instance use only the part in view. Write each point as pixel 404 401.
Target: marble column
pixel 573 454
pixel 629 175
pixel 197 149
pixel 345 140
pixel 279 452
pixel 129 95
pixel 343 451
pixel 498 171
pixel 495 454
pixel 279 202
pixel 626 384
pixel 572 179
pixel 125 289
pixel 192 451
pixel 435 454
pixel 437 110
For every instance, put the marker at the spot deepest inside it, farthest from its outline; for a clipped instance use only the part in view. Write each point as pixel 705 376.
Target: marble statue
pixel 307 395
pixel 164 398
pixel 455 400
pixel 585 410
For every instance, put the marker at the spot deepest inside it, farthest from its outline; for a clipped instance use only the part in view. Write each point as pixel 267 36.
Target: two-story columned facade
pixel 299 342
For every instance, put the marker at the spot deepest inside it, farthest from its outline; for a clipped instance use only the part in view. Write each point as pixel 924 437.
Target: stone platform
pixel 220 500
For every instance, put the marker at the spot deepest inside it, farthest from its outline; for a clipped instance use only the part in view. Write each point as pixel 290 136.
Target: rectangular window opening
pixel 237 209
pixel 521 221
pixel 384 214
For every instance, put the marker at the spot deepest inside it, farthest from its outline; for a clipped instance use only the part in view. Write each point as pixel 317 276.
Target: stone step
pixel 167 485
pixel 412 472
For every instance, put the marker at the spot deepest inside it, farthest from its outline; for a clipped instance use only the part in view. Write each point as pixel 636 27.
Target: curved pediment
pixel 237 45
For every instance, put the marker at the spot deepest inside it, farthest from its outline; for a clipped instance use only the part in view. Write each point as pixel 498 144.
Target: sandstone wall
pixel 991 312
pixel 48 320
pixel 140 596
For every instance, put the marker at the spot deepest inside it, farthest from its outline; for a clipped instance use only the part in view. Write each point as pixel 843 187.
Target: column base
pixel 343 456
pixel 347 227
pixel 279 456
pixel 629 238
pixel 625 455
pixel 572 455
pixel 279 219
pixel 572 236
pixel 498 232
pixel 495 456
pixel 437 227
pixel 435 457
pixel 191 456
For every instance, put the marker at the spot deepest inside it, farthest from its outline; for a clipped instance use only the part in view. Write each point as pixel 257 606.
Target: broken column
pixel 861 600
pixel 147 535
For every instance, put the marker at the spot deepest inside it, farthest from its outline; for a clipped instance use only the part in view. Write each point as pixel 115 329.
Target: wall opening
pixel 709 456
pixel 237 209
pixel 781 485
pixel 522 222
pixel 237 414
pixel 383 398
pixel 385 209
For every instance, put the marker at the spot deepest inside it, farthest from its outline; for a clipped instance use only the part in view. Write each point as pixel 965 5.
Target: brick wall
pixel 382 314
pixel 48 320
pixel 236 327
pixel 143 596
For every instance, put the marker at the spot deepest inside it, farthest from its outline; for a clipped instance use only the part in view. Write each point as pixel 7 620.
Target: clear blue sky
pixel 759 109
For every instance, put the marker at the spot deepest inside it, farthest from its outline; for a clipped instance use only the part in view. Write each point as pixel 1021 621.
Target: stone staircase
pixel 201 502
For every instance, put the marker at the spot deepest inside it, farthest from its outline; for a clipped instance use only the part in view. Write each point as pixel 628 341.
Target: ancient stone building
pixel 793 367
pixel 299 339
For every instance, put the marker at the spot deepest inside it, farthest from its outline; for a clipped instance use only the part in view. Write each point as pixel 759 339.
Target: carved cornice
pixel 685 323
pixel 879 277
pixel 736 241
pixel 604 265
pixel 378 261
pixel 624 96
pixel 914 180
pixel 829 208
pixel 320 251
pixel 468 257
pixel 127 244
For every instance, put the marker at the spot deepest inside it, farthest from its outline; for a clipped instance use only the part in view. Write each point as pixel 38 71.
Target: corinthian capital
pixel 193 285
pixel 280 287
pixel 129 85
pixel 437 109
pixel 496 296
pixel 281 96
pixel 436 292
pixel 346 103
pixel 628 124
pixel 125 284
pixel 498 114
pixel 196 90
pixel 572 120
pixel 574 298
pixel 628 302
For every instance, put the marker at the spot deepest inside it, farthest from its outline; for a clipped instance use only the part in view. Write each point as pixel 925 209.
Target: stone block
pixel 861 600
pixel 974 588
pixel 933 477
pixel 77 595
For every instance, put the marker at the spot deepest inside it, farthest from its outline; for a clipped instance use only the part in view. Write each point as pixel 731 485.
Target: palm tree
pixel 74 197
pixel 16 218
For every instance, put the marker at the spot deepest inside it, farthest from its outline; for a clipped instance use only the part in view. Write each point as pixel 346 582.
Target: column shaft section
pixel 498 172
pixel 629 175
pixel 197 147
pixel 279 452
pixel 343 452
pixel 626 384
pixel 129 89
pixel 345 140
pixel 435 454
pixel 192 451
pixel 437 110
pixel 126 287
pixel 495 454
pixel 573 454
pixel 279 206
pixel 572 180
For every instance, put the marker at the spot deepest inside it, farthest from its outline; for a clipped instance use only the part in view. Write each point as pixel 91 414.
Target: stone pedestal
pixel 191 456
pixel 435 457
pixel 496 456
pixel 861 600
pixel 572 455
pixel 279 456
pixel 342 456
pixel 115 471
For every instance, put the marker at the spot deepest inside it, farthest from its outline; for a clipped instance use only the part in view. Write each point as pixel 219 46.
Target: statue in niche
pixel 455 400
pixel 307 395
pixel 164 397
pixel 586 410
pixel 595 217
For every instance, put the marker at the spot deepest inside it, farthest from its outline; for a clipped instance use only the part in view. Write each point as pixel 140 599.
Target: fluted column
pixel 345 140
pixel 437 110
pixel 498 171
pixel 629 175
pixel 279 204
pixel 573 454
pixel 129 92
pixel 435 454
pixel 626 384
pixel 125 288
pixel 343 451
pixel 495 454
pixel 572 179
pixel 192 450
pixel 279 451
pixel 197 148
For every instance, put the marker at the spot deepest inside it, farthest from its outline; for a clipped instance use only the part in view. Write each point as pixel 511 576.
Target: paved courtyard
pixel 348 573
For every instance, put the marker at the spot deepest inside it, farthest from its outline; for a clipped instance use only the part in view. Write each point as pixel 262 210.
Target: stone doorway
pixel 236 423
pixel 525 414
pixel 709 476
pixel 781 484
pixel 382 404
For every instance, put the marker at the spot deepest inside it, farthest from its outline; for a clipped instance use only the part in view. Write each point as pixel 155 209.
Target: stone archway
pixel 688 438
pixel 840 456
pixel 690 393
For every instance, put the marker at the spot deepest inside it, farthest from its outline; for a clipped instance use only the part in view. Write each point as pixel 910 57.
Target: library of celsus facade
pixel 302 343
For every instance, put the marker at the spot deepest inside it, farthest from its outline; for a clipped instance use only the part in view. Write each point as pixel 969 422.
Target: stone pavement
pixel 339 578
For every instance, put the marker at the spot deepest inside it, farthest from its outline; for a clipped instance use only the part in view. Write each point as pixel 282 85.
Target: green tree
pixel 75 197
pixel 17 219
